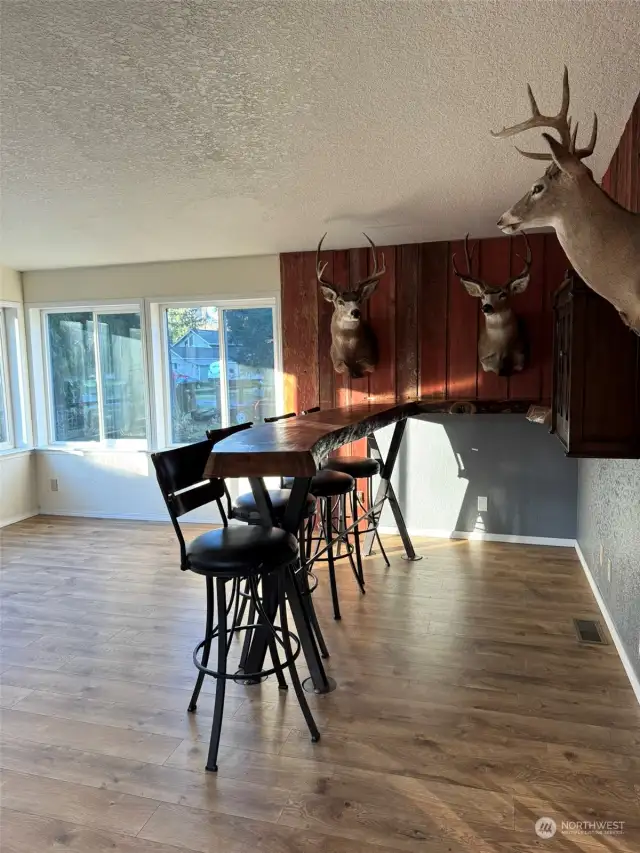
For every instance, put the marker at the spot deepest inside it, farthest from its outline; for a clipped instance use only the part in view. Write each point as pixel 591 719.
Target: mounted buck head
pixel 600 238
pixel 502 343
pixel 354 348
pixel 559 189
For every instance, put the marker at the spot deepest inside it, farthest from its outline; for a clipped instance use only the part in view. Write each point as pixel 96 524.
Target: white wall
pixel 10 285
pixel 121 483
pixel 18 496
pixel 223 278
pixel 17 469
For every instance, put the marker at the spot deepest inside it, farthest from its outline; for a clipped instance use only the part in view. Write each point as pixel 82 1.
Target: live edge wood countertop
pixel 295 447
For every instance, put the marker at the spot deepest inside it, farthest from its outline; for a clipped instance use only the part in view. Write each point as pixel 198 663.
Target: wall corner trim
pixel 617 641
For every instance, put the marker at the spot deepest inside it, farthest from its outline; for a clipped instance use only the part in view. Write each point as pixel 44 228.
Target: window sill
pixel 79 450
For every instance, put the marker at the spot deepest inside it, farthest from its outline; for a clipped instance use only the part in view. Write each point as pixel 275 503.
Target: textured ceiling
pixel 141 130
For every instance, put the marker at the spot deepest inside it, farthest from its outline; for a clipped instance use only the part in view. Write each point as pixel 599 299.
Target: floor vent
pixel 589 631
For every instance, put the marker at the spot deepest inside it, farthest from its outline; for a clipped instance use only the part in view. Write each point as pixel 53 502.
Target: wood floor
pixel 465 708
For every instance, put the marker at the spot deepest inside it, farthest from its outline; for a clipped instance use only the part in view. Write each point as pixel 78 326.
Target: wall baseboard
pixel 617 640
pixel 480 535
pixel 14 519
pixel 123 516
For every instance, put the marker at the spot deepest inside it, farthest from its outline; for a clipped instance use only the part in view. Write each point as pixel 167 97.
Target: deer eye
pixel 340 301
pixel 502 296
pixel 537 189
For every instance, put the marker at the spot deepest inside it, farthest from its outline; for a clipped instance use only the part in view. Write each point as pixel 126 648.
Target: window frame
pixel 159 356
pixel 5 384
pixel 42 379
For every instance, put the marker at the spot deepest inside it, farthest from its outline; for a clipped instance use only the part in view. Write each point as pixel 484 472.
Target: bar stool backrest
pixel 179 472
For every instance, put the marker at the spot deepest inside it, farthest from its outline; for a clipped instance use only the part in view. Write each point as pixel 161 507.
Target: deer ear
pixel 519 284
pixel 328 292
pixel 565 160
pixel 367 290
pixel 472 287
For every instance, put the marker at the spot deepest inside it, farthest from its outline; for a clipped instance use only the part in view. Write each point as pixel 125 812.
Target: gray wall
pixel 447 461
pixel 609 514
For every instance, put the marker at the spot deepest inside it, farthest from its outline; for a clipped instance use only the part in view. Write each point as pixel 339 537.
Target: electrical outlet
pixel 601 553
pixel 609 569
pixel 482 504
pixel 54 485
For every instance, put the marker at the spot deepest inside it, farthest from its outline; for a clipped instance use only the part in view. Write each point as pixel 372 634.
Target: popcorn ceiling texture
pixel 141 130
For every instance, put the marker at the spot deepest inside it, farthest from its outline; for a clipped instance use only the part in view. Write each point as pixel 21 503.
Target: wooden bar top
pixel 295 447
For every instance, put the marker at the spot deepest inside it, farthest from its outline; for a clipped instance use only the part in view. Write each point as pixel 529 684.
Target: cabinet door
pixel 562 372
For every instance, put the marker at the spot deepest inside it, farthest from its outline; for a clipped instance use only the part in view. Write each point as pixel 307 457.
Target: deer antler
pixel 527 260
pixel 320 268
pixel 559 122
pixel 469 257
pixel 377 273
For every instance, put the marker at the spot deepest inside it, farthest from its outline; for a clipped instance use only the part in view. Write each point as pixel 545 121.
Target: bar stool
pixel 245 509
pixel 228 556
pixel 360 468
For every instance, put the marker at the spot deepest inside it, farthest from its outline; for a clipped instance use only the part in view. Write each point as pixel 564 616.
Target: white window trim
pixel 5 385
pixel 41 374
pixel 159 349
pixel 17 380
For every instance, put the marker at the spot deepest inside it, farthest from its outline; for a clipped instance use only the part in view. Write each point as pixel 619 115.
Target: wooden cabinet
pixel 596 376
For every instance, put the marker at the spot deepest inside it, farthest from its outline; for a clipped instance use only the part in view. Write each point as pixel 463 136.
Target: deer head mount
pixel 354 348
pixel 502 345
pixel 600 238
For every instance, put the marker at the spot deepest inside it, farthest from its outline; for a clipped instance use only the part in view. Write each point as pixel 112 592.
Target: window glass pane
pixel 122 376
pixel 194 372
pixel 250 363
pixel 73 377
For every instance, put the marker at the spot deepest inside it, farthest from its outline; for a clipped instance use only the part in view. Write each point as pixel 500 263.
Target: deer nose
pixel 488 309
pixel 500 222
pixel 356 313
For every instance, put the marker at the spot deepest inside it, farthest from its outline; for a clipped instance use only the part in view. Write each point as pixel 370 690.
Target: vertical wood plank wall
pixel 426 323
pixel 622 178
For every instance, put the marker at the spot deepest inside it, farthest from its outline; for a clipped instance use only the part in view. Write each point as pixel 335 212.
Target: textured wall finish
pixel 608 489
pixel 609 515
pixel 158 130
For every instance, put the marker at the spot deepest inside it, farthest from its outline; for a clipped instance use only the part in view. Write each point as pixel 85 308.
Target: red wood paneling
pixel 425 321
pixel 462 339
pixel 530 306
pixel 299 331
pixel 382 316
pixel 407 283
pixel 432 319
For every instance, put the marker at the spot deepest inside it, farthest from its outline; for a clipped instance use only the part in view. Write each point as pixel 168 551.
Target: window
pixel 6 437
pixel 96 376
pixel 221 364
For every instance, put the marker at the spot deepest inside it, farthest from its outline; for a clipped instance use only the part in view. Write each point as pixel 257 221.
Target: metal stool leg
pixel 246 646
pixel 221 683
pixel 356 538
pixel 332 569
pixel 207 646
pixel 307 598
pixel 286 640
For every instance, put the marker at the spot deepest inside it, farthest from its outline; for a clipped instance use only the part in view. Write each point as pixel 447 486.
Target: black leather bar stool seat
pixel 232 551
pixel 327 484
pixel 245 508
pixel 358 467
